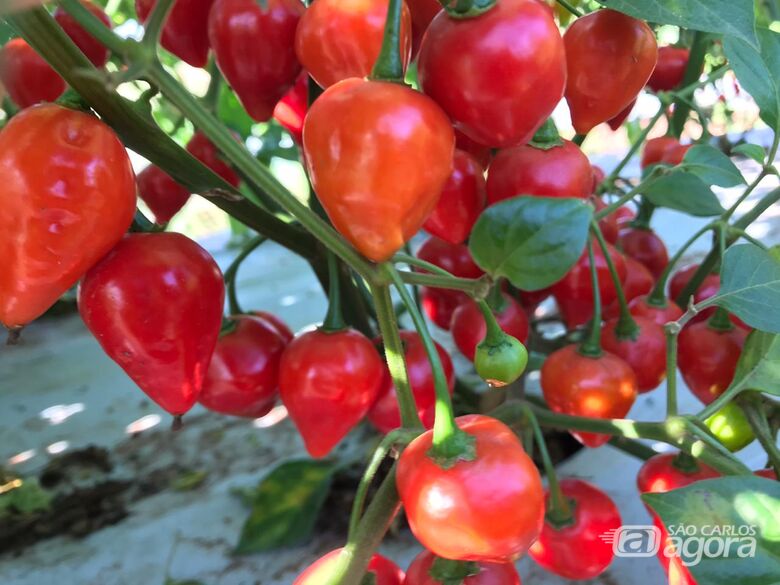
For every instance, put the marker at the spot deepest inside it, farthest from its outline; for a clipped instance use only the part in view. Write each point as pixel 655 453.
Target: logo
pixel 634 540
pixel 690 544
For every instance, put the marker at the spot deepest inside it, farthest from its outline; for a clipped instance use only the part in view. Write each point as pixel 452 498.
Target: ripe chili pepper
pixel 428 569
pixel 243 376
pixel 617 121
pixel 560 171
pixel 204 150
pixel 638 282
pixel 422 12
pixel 598 177
pixel 280 326
pixel 670 69
pixel 577 550
pixel 767 473
pixel 498 76
pixel 610 57
pixel 404 144
pixel 291 109
pixel 328 380
pixel 164 196
pixel 94 50
pixel 254 49
pixel 384 413
pixel 640 307
pixel 337 40
pixel 608 225
pixel 708 288
pixel 574 293
pixel 663 150
pixel 462 200
pixel 68 196
pixel 481 153
pixel 731 427
pixel 439 304
pixel 381 570
pixel 185 33
pixel 490 508
pixel 645 352
pixel 469 329
pixel 154 303
pixel 27 78
pixel 625 215
pixel 601 386
pixel 454 258
pixel 708 353
pixel 644 246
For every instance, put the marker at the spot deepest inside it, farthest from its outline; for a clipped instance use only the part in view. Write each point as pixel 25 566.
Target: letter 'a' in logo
pixel 633 541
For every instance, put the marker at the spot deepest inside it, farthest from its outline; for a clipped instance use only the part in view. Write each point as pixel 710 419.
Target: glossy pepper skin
pixel 243 376
pixel 461 202
pixel 204 150
pixel 644 246
pixel 27 78
pixel 609 224
pixel 291 109
pixel 381 569
pixel 68 196
pixel 154 303
pixel 328 381
pixel 560 171
pixel 422 567
pixel 468 324
pixel 488 509
pixel 95 52
pixel 638 282
pixel 707 358
pixel 709 287
pixel 254 49
pixel 663 150
pixel 454 258
pixel 610 57
pixel 337 40
pixel 574 293
pixel 639 307
pixel 439 304
pixel 599 387
pixel 498 76
pixel 617 121
pixel 276 323
pixel 185 33
pixel 384 413
pixel 670 69
pixel 646 354
pixel 164 196
pixel 378 155
pixel 483 154
pixel 577 551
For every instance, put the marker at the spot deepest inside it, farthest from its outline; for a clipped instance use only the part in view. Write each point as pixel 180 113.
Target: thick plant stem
pixel 559 512
pixel 155 23
pixel 449 442
pixel 671 371
pixel 389 65
pixel 232 271
pixel 591 345
pixel 394 354
pixel 626 326
pixel 474 287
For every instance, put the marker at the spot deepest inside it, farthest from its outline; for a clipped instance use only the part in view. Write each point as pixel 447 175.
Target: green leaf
pixel 743 504
pixel 758 367
pixel 712 166
pixel 731 17
pixel 758 71
pixel 25 496
pixel 750 286
pixel 532 241
pixel 754 151
pixel 683 192
pixel 285 505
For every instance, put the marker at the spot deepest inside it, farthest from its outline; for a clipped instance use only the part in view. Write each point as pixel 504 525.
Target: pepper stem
pixel 389 65
pixel 720 320
pixel 591 346
pixel 334 319
pixel 626 326
pixel 232 271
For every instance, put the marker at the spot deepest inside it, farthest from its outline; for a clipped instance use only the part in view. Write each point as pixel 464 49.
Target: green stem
pixel 393 438
pixel 232 271
pixel 96 27
pixel 658 295
pixel 334 319
pixel 625 198
pixel 154 24
pixel 394 355
pixel 732 231
pixel 475 287
pixel 570 8
pixel 559 511
pixel 671 370
pixel 389 65
pixel 215 82
pixel 494 334
pixel 756 416
pixel 579 139
pixel 692 74
pixel 626 326
pixel 634 148
pixel 591 346
pixel 449 442
pixel 424 264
